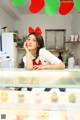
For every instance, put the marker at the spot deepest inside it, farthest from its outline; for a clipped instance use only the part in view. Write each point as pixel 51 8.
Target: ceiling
pixel 24 9
pixel 16 12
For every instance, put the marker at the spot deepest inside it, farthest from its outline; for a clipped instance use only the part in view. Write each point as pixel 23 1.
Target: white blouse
pixel 45 57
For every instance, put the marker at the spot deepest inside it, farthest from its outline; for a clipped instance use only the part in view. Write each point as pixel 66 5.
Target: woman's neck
pixel 33 52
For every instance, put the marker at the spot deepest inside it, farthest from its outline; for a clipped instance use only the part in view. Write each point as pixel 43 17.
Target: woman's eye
pixel 34 40
pixel 28 39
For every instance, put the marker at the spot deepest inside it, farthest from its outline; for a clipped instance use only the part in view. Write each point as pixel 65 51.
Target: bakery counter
pixel 39 105
pixel 67 78
pixel 28 105
pixel 40 100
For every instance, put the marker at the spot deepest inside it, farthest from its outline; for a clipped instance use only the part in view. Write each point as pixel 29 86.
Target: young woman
pixel 37 57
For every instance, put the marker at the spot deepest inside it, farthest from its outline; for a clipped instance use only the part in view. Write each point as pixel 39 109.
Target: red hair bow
pixel 37 30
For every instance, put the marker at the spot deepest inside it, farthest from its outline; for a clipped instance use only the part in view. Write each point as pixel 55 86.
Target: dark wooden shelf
pixel 72 42
pixel 51 50
pixel 20 48
pixel 57 50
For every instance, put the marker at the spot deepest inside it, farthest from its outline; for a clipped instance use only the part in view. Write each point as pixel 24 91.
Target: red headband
pixel 37 30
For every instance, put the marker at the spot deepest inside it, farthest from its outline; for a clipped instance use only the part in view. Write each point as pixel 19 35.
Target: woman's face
pixel 31 42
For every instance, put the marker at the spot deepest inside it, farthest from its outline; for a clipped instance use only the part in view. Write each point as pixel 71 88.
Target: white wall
pixel 76 23
pixel 70 22
pixel 44 22
pixel 75 47
pixel 6 20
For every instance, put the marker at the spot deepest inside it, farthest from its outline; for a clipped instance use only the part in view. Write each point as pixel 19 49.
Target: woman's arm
pixel 29 62
pixel 54 62
pixel 50 66
pixel 55 66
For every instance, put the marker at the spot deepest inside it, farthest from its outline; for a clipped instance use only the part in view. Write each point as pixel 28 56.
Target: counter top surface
pixel 40 78
pixel 23 69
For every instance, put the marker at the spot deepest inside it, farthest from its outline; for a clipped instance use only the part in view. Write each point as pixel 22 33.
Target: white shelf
pixel 47 107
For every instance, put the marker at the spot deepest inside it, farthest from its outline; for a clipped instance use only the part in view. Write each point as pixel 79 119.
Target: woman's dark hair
pixel 40 42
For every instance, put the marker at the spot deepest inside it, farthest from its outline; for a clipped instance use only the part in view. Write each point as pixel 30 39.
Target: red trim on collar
pixel 39 63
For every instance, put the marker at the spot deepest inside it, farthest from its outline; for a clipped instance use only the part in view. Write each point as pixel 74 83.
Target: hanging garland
pixel 65 6
pixel 36 5
pixel 18 3
pixel 77 5
pixel 50 6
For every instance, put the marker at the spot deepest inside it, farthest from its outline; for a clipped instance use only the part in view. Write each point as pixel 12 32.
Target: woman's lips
pixel 29 45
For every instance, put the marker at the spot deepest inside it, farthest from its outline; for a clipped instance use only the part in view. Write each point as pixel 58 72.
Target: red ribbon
pixel 39 63
pixel 37 30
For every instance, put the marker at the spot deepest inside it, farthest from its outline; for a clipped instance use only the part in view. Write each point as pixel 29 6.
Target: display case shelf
pixel 37 100
pixel 47 107
pixel 67 78
pixel 27 105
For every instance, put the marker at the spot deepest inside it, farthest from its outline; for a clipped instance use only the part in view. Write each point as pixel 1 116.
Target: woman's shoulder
pixel 24 58
pixel 42 50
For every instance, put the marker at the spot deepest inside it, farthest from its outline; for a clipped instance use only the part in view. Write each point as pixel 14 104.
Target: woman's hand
pixel 38 67
pixel 50 66
pixel 25 46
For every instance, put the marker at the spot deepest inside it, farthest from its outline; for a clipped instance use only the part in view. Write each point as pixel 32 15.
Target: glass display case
pixel 39 104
